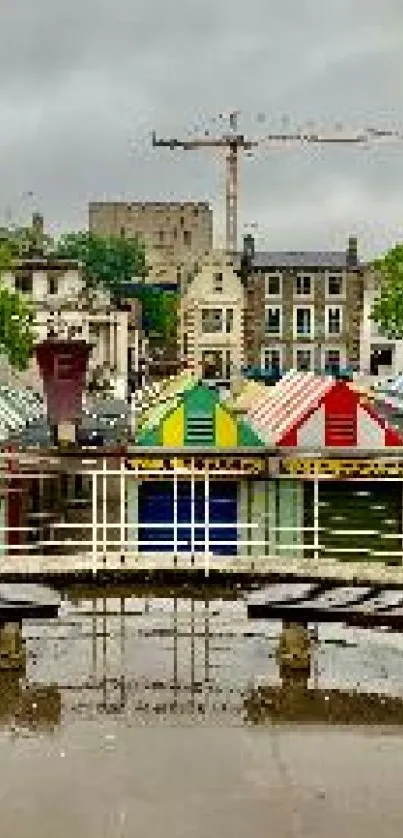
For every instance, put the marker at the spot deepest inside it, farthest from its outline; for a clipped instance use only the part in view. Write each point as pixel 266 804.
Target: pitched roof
pixel 167 398
pixel 324 259
pixel 250 393
pixel 281 406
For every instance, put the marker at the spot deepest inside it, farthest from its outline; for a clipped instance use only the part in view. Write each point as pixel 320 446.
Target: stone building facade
pixel 64 308
pixel 212 321
pixel 304 310
pixel 174 233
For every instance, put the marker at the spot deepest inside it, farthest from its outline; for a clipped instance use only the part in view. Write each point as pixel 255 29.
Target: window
pixel 212 320
pixel 273 285
pixel 332 361
pixel 218 283
pixel 304 285
pixel 335 285
pixel 303 360
pixel 228 365
pixel 273 324
pixel 212 364
pixel 303 322
pixel 187 238
pixel 52 285
pixel 161 236
pixel 175 231
pixel 229 320
pixel 271 359
pixel 23 282
pixel 333 320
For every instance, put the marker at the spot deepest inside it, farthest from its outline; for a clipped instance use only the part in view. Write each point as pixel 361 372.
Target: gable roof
pixel 204 411
pixel 282 406
pixel 168 396
pixel 285 407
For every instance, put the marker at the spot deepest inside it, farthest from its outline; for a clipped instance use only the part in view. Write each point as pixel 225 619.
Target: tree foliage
pixel 16 335
pixel 159 312
pixel 387 310
pixel 109 261
pixel 16 316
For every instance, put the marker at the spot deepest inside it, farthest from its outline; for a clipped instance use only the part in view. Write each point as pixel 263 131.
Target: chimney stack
pixel 37 229
pixel 249 247
pixel 352 252
pixel 247 258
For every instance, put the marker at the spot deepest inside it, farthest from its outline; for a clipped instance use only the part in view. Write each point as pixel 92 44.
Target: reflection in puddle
pixel 143 658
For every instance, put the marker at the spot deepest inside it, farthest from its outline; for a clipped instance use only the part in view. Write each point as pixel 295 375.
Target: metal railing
pixel 121 542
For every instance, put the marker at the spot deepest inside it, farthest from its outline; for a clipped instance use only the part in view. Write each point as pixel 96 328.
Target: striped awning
pixel 158 402
pixel 18 409
pixel 280 407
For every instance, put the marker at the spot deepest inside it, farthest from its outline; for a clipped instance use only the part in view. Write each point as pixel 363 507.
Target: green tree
pixel 16 335
pixel 16 316
pixel 159 312
pixel 387 310
pixel 109 261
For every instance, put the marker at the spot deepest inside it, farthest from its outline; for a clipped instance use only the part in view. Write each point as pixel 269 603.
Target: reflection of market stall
pixel 153 657
pixel 190 651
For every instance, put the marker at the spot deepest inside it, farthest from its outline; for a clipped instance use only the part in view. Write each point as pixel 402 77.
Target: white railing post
pixel 206 520
pixel 316 518
pixel 122 508
pixel 175 515
pixel 104 510
pixel 94 523
pixel 192 512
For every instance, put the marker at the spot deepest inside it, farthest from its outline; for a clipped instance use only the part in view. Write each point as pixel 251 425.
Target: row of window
pixel 304 285
pixel 24 283
pixel 304 321
pixel 219 320
pixel 187 237
pixel 303 359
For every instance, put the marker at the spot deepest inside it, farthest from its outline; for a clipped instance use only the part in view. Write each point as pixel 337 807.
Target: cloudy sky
pixel 83 83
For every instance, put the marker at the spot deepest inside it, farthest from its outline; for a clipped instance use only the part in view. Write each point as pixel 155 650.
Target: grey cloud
pixel 83 84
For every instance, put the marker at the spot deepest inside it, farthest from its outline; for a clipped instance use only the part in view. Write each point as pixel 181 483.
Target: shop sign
pixel 199 466
pixel 358 469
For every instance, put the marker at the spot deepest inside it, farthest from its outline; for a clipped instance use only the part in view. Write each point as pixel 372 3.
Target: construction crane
pixel 233 142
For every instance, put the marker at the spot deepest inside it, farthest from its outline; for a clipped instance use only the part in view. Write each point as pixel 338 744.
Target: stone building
pixel 212 321
pixel 64 308
pixel 304 309
pixel 174 233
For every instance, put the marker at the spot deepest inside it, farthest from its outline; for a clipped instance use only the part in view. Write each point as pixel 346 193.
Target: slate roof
pixel 323 259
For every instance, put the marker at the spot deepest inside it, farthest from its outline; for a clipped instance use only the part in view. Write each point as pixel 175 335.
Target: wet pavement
pixel 134 719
